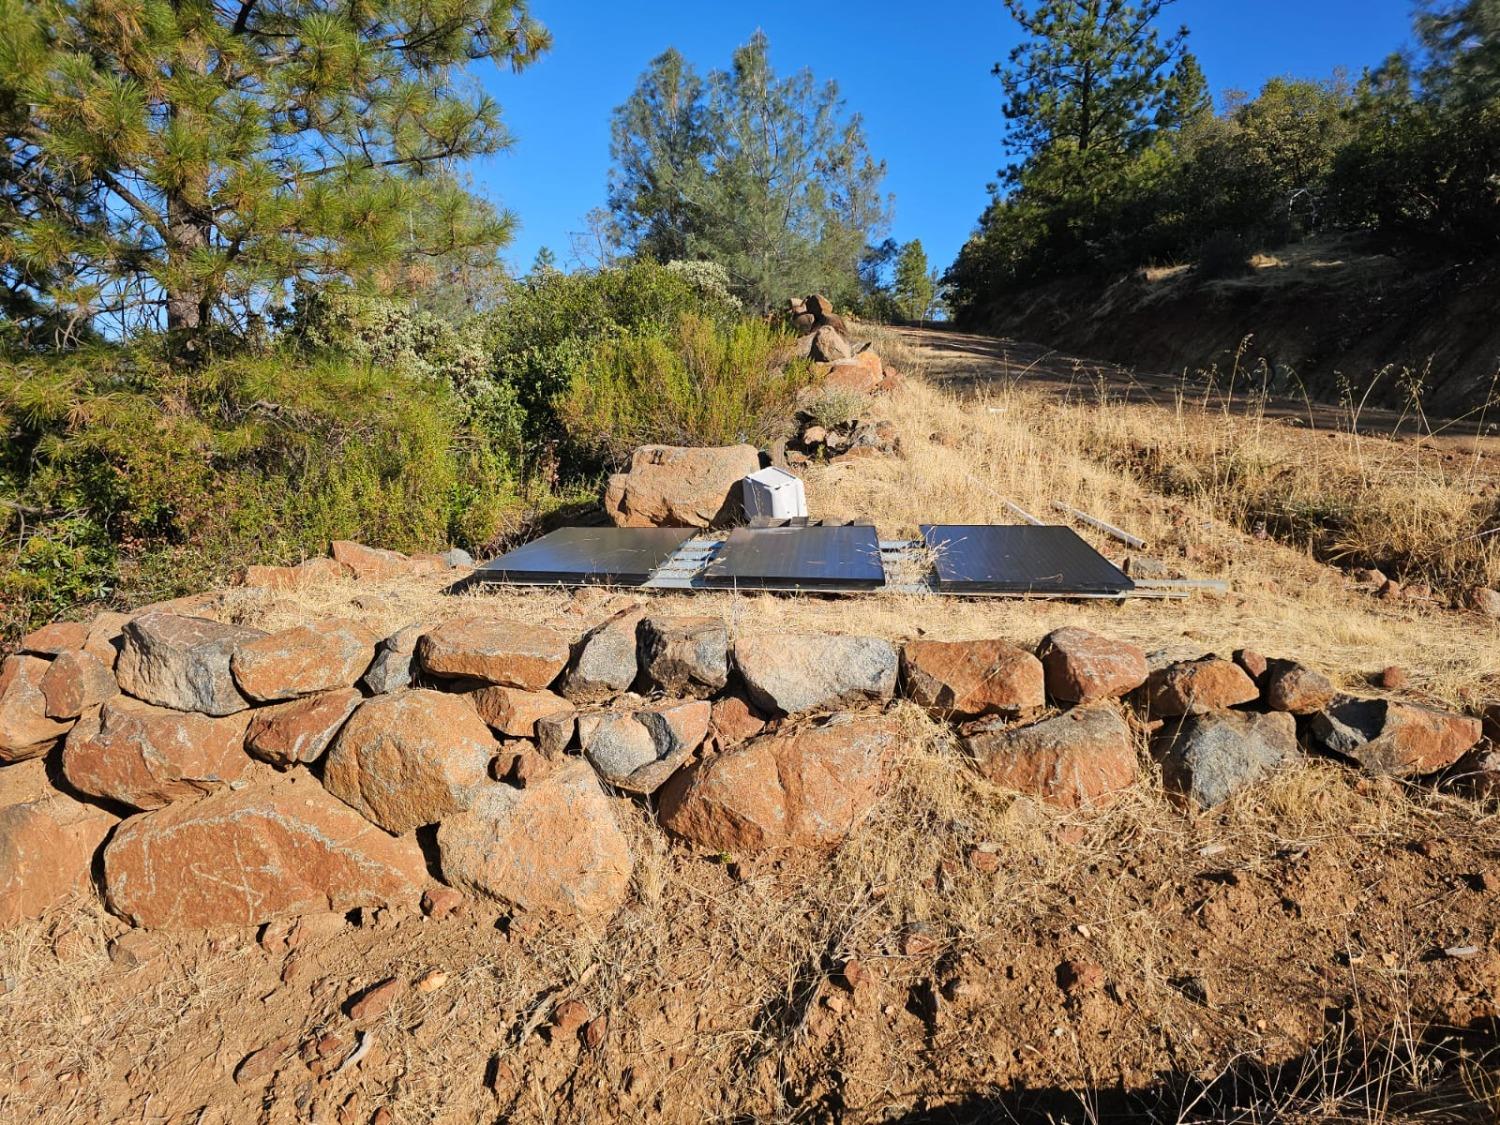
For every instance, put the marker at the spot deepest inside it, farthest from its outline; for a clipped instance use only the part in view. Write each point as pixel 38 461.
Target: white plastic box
pixel 775 493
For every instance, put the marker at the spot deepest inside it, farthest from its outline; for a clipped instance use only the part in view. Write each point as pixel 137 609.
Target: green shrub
pixel 127 479
pixel 706 384
pixel 833 406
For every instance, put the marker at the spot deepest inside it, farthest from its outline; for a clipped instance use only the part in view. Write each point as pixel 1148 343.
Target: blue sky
pixel 919 75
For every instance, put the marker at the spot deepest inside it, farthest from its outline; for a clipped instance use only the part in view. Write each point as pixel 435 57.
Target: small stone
pixel 298 732
pixel 732 721
pixel 569 1016
pixel 596 1032
pixel 439 903
pixel 984 859
pixel 395 661
pixel 375 1001
pixel 1253 663
pixel 1079 978
pixel 431 981
pixel 515 713
pixel 260 1064
pixel 1392 678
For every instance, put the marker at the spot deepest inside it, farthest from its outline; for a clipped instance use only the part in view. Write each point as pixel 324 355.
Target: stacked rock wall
pixel 209 774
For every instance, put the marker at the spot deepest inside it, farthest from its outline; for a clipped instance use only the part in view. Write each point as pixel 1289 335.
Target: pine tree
pixel 915 286
pixel 194 159
pixel 766 176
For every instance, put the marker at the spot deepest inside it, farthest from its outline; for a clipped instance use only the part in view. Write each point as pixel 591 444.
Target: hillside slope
pixel 1327 314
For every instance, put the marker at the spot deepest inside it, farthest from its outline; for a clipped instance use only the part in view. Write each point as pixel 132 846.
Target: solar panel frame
pixel 588 556
pixel 819 559
pixel 1020 559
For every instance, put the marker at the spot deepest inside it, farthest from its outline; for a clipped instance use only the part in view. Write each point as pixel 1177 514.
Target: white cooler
pixel 775 493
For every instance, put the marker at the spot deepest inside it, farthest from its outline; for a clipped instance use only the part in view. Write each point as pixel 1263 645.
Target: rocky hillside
pixel 1333 315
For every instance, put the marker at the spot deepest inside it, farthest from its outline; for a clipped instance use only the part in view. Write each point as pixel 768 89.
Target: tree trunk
pixel 187 306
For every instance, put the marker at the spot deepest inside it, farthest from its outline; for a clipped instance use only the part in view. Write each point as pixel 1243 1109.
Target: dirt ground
pixel 1324 948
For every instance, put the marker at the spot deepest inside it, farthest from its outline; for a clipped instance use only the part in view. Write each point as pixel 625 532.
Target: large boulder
pixel 183 662
pixel 637 751
pixel 311 658
pixel 514 653
pixel 671 486
pixel 1398 739
pixel 1291 687
pixel 26 731
pixel 969 679
pixel 76 682
pixel 513 712
pixel 791 674
pixel 1192 687
pixel 553 847
pixel 248 856
pixel 860 374
pixel 1081 758
pixel 47 846
pixel 409 759
pixel 395 661
pixel 145 757
pixel 1208 758
pixel 685 655
pixel 298 732
pixel 606 662
pixel 1082 666
pixel 807 787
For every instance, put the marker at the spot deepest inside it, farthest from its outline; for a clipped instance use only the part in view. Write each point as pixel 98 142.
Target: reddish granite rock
pixel 553 847
pixel 670 486
pixel 733 721
pixel 249 856
pixel 806 787
pixel 1393 738
pixel 967 679
pixel 26 731
pixel 1292 687
pixel 1082 666
pixel 513 712
pixel 410 758
pixel 300 731
pixel 55 639
pixel 305 660
pixel 373 564
pixel 106 637
pixel 1081 758
pixel 513 653
pixel 1192 687
pixel 47 847
pixel 146 756
pixel 77 681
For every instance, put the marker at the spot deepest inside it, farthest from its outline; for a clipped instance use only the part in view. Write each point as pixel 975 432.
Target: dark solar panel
pixel 617 556
pixel 799 558
pixel 1023 559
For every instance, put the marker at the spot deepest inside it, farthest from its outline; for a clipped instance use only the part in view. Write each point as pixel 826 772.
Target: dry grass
pixel 1270 961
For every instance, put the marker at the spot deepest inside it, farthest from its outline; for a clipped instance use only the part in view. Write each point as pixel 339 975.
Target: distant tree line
pixel 1121 159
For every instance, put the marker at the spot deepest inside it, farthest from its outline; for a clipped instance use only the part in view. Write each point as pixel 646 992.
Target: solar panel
pixel 984 559
pixel 799 558
pixel 573 556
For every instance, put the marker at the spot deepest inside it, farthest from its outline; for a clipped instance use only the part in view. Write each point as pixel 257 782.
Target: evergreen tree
pixel 193 158
pixel 915 286
pixel 764 175
pixel 1462 43
pixel 544 263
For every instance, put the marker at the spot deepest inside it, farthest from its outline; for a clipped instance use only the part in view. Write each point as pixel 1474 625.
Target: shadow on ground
pixel 1449 1077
